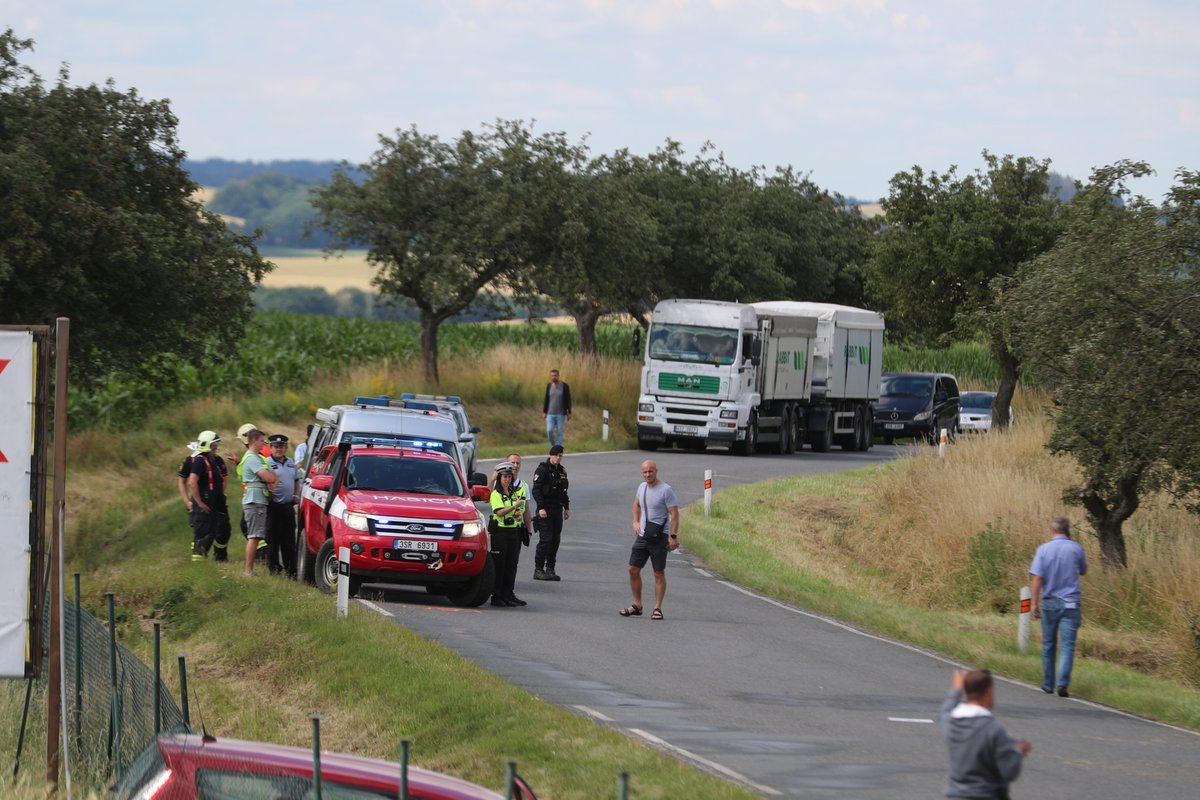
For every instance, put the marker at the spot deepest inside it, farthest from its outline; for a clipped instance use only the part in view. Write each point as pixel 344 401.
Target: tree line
pixel 1096 294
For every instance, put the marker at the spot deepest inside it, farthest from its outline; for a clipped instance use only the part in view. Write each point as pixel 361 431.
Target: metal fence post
pixel 623 786
pixel 404 745
pixel 183 692
pixel 157 679
pixel 511 783
pixel 115 723
pixel 78 671
pixel 316 728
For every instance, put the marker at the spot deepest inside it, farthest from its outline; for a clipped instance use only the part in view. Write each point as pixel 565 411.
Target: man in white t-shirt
pixel 656 531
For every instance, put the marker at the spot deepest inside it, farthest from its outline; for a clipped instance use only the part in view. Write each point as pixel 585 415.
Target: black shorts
pixel 643 551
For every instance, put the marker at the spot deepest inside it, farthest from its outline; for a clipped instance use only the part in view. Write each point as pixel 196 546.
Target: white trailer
pixel 752 376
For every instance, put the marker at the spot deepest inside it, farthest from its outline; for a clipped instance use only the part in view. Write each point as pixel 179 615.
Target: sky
pixel 849 92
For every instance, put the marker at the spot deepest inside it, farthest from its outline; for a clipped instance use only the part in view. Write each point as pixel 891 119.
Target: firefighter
pixel 206 485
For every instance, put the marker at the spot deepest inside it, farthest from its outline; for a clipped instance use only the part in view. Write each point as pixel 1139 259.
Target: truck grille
pixel 421 528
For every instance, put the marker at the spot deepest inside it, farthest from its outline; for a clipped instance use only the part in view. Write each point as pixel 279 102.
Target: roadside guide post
pixel 343 584
pixel 1023 620
pixel 604 433
pixel 942 444
pixel 708 492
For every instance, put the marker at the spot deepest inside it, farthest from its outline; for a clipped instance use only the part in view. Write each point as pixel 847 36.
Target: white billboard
pixel 16 451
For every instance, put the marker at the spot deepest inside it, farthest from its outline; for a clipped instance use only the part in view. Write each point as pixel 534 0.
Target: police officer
pixel 281 509
pixel 508 515
pixel 554 507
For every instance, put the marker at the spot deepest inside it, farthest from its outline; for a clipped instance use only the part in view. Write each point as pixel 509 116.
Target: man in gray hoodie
pixel 983 759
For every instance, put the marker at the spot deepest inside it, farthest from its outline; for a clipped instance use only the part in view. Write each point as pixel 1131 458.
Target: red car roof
pixel 186 753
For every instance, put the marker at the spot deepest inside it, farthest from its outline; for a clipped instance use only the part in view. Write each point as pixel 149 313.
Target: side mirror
pixel 480 493
pixel 476 429
pixel 636 348
pixel 322 482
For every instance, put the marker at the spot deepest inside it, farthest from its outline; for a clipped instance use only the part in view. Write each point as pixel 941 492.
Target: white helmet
pixel 206 440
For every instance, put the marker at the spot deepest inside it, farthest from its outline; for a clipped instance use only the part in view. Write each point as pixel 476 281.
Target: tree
pixel 605 247
pixel 945 242
pixel 818 244
pixel 99 225
pixel 443 220
pixel 1110 318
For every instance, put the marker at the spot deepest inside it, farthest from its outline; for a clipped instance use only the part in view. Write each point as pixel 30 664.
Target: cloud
pixel 688 96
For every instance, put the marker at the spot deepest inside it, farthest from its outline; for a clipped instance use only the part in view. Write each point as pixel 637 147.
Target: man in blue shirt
pixel 1056 568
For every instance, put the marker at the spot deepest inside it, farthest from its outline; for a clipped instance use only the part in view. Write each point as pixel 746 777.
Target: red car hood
pixel 401 505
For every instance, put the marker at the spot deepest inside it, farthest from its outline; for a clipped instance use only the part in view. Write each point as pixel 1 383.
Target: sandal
pixel 631 611
pixel 656 614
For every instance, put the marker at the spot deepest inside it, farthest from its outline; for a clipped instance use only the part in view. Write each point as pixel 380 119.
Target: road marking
pixel 375 608
pixel 913 648
pixel 910 719
pixel 712 765
pixel 594 714
pixel 702 573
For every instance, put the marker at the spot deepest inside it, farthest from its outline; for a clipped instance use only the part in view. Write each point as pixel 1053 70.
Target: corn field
pixel 285 351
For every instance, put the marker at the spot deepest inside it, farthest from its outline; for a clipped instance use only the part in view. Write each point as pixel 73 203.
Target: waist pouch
pixel 654 533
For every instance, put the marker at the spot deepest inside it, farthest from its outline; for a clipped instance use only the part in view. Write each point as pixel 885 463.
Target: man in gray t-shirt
pixel 656 531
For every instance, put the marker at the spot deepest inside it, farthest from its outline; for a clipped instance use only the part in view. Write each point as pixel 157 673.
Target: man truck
pixel 760 376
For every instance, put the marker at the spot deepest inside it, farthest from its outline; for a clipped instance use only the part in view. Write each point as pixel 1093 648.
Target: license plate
pixel 893 426
pixel 691 430
pixel 414 544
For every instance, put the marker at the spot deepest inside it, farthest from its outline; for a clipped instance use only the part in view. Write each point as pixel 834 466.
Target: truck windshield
pixel 675 342
pixel 408 475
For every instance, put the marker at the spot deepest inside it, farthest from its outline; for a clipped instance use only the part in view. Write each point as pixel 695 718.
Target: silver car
pixel 975 412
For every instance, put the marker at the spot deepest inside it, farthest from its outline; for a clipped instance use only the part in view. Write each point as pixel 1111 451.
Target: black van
pixel 916 404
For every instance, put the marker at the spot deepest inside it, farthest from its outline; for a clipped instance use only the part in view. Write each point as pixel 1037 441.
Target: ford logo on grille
pixel 415 529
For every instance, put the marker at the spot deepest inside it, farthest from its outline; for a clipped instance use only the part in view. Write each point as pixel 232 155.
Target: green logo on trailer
pixel 701 384
pixel 858 353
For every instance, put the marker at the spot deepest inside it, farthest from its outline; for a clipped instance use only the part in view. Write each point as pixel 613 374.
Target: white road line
pixel 702 573
pixel 712 765
pixel 910 719
pixel 375 608
pixel 913 648
pixel 594 714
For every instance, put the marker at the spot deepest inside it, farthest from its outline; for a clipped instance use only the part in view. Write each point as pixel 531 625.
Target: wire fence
pixel 113 703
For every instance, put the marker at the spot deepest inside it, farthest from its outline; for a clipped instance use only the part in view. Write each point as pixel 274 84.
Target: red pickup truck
pixel 407 516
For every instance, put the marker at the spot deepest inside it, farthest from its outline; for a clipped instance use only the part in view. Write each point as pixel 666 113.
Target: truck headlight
pixel 924 415
pixel 645 406
pixel 471 529
pixel 730 414
pixel 356 522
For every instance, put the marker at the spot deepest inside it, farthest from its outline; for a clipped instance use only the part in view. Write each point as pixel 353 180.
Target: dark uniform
pixel 211 529
pixel 550 492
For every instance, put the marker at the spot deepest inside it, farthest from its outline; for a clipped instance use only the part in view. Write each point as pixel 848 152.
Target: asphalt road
pixel 768 695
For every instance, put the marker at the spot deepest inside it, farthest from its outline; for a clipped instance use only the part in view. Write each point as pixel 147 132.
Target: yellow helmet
pixel 206 440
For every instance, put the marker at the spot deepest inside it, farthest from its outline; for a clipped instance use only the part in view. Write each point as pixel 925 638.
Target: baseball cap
pixel 557 450
pixel 245 431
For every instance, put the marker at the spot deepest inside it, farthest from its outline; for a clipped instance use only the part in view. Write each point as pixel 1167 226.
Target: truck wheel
pixel 476 591
pixel 325 568
pixel 647 444
pixel 850 440
pixel 823 441
pixel 785 432
pixel 747 446
pixel 796 441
